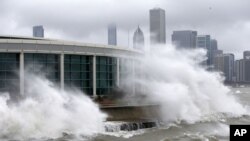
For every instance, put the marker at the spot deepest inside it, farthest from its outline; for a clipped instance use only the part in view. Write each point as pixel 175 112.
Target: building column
pixel 118 72
pixel 21 62
pixel 94 76
pixel 62 71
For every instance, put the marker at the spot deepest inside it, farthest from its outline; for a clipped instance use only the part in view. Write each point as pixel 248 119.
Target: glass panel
pixel 77 71
pixel 47 64
pixel 9 67
pixel 105 72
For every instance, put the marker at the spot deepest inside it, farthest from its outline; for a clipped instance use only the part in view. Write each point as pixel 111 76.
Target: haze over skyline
pixel 228 21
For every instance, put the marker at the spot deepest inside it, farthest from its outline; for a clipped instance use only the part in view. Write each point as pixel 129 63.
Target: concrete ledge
pixel 131 113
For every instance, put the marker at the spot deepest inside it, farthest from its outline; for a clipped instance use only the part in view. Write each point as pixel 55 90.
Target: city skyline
pixel 223 25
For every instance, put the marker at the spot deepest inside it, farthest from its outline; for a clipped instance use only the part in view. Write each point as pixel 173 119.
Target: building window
pixel 105 74
pixel 46 64
pixel 78 73
pixel 9 72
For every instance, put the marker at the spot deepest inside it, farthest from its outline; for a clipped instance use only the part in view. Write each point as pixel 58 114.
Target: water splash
pixel 185 90
pixel 46 111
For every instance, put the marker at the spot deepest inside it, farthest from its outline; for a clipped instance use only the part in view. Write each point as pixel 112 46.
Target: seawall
pixel 132 113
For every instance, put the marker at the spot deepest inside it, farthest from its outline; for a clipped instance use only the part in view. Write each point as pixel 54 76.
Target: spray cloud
pixel 184 89
pixel 46 111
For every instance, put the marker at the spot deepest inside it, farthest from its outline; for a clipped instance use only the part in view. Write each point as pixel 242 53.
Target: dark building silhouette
pixel 38 31
pixel 112 38
pixel 242 68
pixel 246 54
pixel 184 39
pixel 157 26
pixel 225 63
pixel 213 50
pixel 138 39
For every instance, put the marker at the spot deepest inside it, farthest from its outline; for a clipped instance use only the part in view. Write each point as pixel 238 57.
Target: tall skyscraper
pixel 225 64
pixel 213 50
pixel 242 68
pixel 214 44
pixel 246 54
pixel 219 63
pixel 204 41
pixel 138 39
pixel 38 31
pixel 157 26
pixel 228 67
pixel 215 53
pixel 112 38
pixel 184 39
pixel 239 70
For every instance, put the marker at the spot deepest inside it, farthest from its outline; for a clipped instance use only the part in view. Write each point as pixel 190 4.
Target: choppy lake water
pixel 212 127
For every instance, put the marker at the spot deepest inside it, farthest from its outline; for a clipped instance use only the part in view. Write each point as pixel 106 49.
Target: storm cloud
pixel 228 21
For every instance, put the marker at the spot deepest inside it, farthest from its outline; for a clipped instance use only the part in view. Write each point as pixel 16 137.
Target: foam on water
pixel 46 111
pixel 237 91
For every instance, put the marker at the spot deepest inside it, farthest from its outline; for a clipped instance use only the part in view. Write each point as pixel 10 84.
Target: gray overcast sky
pixel 228 21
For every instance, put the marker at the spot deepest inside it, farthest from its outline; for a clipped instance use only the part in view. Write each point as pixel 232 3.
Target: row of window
pixel 45 64
pixel 77 67
pixel 9 64
pixel 79 83
pixel 78 75
pixel 106 74
pixel 77 59
pixel 77 70
pixel 41 58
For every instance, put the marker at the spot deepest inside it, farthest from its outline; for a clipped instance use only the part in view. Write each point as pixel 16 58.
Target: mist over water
pixel 46 111
pixel 185 90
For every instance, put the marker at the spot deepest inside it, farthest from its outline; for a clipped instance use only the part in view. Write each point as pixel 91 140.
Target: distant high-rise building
pixel 247 70
pixel 242 68
pixel 239 70
pixel 225 64
pixel 204 41
pixel 112 38
pixel 219 63
pixel 157 26
pixel 213 50
pixel 228 67
pixel 246 54
pixel 38 31
pixel 138 39
pixel 213 44
pixel 215 53
pixel 184 39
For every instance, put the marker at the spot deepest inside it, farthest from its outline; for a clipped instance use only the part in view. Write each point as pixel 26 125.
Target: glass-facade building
pixel 93 69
